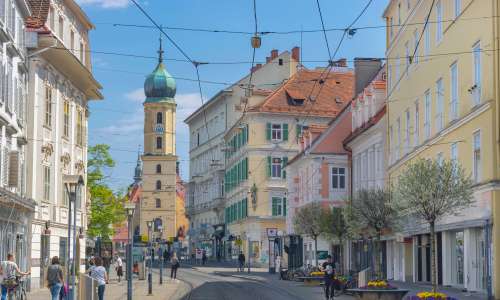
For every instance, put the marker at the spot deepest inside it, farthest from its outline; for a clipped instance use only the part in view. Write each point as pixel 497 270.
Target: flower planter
pixel 379 294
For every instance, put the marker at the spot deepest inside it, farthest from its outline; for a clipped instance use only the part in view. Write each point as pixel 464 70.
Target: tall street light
pixel 129 207
pixel 73 184
pixel 150 275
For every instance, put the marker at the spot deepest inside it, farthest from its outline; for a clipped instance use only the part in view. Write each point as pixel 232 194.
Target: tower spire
pixel 160 51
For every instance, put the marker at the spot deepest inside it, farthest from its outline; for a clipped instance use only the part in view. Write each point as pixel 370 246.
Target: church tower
pixel 159 159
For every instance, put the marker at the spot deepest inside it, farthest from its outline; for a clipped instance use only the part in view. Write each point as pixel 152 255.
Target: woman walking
pixel 55 279
pixel 101 276
pixel 175 265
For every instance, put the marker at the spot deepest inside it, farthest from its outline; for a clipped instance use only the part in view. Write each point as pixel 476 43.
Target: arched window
pixel 159 143
pixel 158 169
pixel 159 118
pixel 158 185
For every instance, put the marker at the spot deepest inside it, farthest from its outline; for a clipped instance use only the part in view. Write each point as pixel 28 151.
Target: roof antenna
pixel 160 52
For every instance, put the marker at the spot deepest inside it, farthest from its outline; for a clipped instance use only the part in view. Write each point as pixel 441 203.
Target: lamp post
pixel 129 207
pixel 73 184
pixel 160 255
pixel 150 275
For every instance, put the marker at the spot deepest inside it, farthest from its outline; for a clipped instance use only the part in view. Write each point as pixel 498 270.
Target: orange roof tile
pixel 335 89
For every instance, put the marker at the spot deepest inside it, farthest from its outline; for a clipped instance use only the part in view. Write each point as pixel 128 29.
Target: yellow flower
pixel 378 283
pixel 317 273
pixel 428 295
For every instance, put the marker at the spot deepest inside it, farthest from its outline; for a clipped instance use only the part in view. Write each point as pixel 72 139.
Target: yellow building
pixel 159 177
pixel 442 103
pixel 258 148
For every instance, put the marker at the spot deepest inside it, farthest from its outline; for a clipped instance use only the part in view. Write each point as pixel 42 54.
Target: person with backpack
pixel 329 268
pixel 55 279
pixel 8 274
pixel 175 265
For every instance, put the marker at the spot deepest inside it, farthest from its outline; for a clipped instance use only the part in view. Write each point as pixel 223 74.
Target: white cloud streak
pixel 105 3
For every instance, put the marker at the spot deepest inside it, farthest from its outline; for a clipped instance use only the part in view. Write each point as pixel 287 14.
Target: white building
pixel 60 85
pixel 16 210
pixel 207 126
pixel 367 143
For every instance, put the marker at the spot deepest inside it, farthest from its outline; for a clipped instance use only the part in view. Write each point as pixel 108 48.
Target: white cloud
pixel 106 3
pixel 136 95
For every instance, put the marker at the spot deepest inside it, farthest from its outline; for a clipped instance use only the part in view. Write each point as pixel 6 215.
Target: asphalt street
pixel 206 285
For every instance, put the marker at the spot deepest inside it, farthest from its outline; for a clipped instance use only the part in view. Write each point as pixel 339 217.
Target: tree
pixel 307 221
pixel 371 213
pixel 106 207
pixel 334 227
pixel 431 190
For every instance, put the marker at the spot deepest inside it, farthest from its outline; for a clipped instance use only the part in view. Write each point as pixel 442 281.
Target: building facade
pixel 320 174
pixel 16 208
pixel 442 105
pixel 60 87
pixel 366 144
pixel 260 145
pixel 207 126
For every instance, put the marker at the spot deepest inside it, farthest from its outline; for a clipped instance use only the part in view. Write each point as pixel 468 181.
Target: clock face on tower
pixel 159 128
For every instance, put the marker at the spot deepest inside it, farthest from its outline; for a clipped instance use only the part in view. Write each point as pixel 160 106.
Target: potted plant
pixel 379 290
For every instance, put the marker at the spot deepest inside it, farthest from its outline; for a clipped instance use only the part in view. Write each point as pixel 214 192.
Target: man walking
pixel 241 262
pixel 328 268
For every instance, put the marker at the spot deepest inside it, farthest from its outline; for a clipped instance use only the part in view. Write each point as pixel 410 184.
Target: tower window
pixel 158 203
pixel 158 169
pixel 158 185
pixel 159 143
pixel 159 118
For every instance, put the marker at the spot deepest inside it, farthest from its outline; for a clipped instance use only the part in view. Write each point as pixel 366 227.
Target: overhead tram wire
pixel 412 57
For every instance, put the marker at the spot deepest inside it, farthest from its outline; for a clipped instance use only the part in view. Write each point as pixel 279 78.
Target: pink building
pixel 320 173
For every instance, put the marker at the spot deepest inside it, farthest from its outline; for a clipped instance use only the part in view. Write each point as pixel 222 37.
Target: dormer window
pixel 295 98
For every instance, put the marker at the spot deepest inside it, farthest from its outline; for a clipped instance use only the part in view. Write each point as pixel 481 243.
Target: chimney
pixel 268 59
pixel 296 53
pixel 255 68
pixel 365 69
pixel 274 53
pixel 341 62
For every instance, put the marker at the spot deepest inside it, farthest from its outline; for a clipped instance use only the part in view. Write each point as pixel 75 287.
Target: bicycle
pixel 18 290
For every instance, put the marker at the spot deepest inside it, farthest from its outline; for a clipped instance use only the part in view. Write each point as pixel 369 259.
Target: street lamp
pixel 150 275
pixel 129 207
pixel 73 184
pixel 160 254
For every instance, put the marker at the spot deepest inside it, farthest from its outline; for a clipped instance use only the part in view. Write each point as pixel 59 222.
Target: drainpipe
pixel 351 194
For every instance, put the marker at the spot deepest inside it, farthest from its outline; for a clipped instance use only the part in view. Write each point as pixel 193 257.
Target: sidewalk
pixel 118 290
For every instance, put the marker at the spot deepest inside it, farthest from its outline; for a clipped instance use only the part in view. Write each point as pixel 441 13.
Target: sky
pixel 123 56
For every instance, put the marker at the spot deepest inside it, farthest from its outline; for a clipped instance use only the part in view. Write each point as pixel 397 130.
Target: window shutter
pixel 238 173
pixel 269 166
pixel 245 207
pixel 13 168
pixel 268 131
pixel 284 162
pixel 247 133
pixel 284 206
pixel 244 136
pixel 285 132
pixel 246 168
pixel 274 207
pixel 298 131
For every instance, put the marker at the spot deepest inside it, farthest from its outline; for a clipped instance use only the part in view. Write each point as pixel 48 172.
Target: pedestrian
pixel 241 262
pixel 277 263
pixel 204 257
pixel 8 273
pixel 329 268
pixel 55 279
pixel 101 276
pixel 106 261
pixel 91 265
pixel 166 256
pixel 119 267
pixel 175 265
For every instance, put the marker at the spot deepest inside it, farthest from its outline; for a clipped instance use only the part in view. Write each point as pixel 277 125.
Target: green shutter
pixel 298 131
pixel 285 132
pixel 244 135
pixel 284 206
pixel 245 208
pixel 238 173
pixel 247 134
pixel 268 131
pixel 284 162
pixel 269 166
pixel 274 207
pixel 246 168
